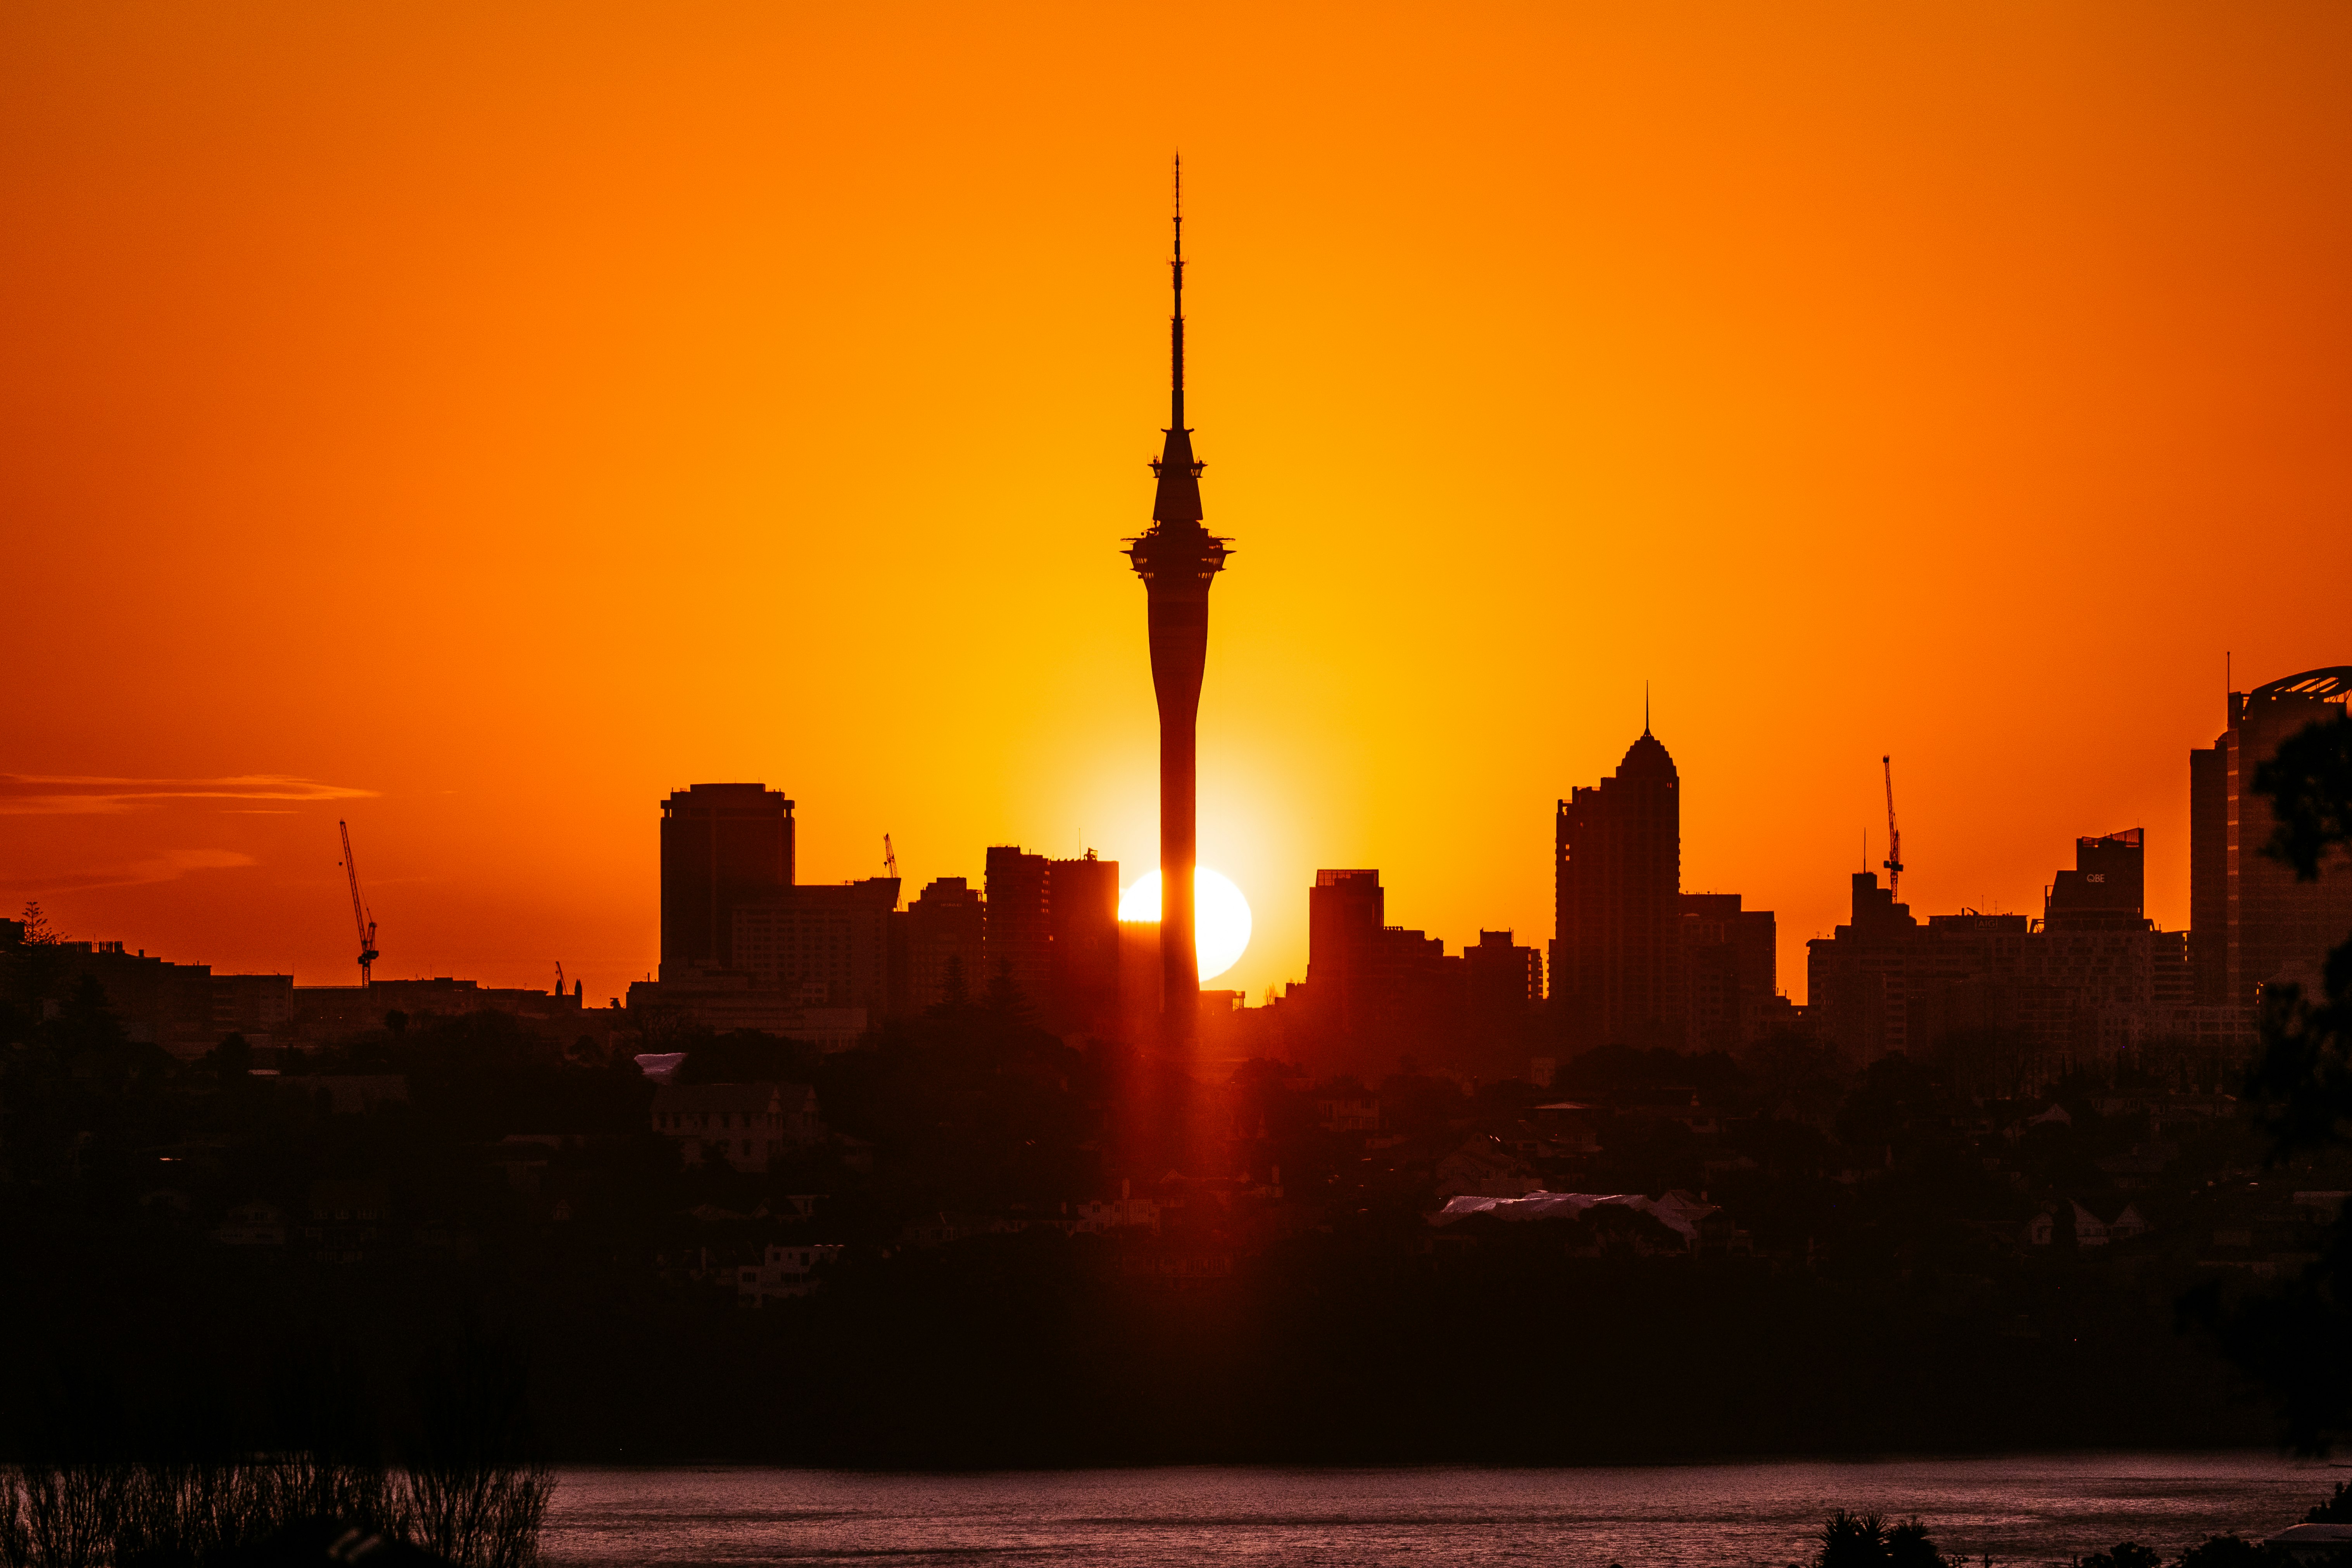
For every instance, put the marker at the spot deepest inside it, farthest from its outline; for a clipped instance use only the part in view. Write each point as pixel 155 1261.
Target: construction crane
pixel 890 857
pixel 559 977
pixel 362 916
pixel 1894 861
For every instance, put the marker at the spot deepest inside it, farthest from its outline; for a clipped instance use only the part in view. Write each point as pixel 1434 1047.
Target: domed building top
pixel 1647 758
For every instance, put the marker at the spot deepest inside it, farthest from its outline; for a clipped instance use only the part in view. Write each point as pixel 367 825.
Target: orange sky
pixel 495 416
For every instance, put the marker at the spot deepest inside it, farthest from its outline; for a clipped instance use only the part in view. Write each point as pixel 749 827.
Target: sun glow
pixel 1220 917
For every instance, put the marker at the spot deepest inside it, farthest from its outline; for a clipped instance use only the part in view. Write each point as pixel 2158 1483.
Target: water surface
pixel 2031 1509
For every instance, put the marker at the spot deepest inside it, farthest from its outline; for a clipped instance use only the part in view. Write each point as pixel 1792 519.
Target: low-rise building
pixel 1482 1166
pixel 745 1124
pixel 253 1224
pixel 345 1094
pixel 783 1271
pixel 1098 1216
pixel 346 1220
pixel 1347 1113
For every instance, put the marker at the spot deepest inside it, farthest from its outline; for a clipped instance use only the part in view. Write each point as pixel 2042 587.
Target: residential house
pixel 1347 1113
pixel 745 1124
pixel 1098 1216
pixel 346 1220
pixel 787 1270
pixel 253 1224
pixel 1483 1167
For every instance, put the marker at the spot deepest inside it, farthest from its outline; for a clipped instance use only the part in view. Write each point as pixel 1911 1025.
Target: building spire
pixel 1176 321
pixel 1645 707
pixel 1178 497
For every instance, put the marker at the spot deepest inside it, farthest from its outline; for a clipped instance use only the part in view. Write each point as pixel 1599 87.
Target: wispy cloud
pixel 168 867
pixel 49 795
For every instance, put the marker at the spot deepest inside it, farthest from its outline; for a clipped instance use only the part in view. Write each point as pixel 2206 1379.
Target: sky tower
pixel 1178 559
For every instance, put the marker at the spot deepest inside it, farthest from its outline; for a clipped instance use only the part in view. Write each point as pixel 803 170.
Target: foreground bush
pixel 207 1514
pixel 1866 1540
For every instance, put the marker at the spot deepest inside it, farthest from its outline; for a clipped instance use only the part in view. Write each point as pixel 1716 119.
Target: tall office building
pixel 2251 921
pixel 1178 559
pixel 1616 973
pixel 2106 891
pixel 721 845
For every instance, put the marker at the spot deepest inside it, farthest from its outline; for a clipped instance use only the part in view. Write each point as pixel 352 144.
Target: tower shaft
pixel 1178 559
pixel 1180 647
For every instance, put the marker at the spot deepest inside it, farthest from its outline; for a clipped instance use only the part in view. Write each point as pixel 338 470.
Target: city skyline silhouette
pixel 1509 439
pixel 616 941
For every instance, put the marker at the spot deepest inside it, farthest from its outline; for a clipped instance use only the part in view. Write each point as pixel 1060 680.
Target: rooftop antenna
pixel 1645 707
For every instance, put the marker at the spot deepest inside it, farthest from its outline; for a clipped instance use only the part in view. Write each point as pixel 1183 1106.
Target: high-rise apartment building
pixel 820 944
pixel 1019 930
pixel 2003 1001
pixel 721 845
pixel 1082 896
pixel 1728 970
pixel 1505 979
pixel 1053 926
pixel 1346 910
pixel 2251 921
pixel 1616 974
pixel 946 932
pixel 1374 991
pixel 1858 979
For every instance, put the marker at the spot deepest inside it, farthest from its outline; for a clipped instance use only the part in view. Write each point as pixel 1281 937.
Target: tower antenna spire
pixel 1176 322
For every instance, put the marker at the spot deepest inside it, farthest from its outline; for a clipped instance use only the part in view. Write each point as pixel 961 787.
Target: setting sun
pixel 1221 933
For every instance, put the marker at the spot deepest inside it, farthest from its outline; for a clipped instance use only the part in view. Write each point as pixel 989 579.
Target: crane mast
pixel 362 916
pixel 890 857
pixel 1894 861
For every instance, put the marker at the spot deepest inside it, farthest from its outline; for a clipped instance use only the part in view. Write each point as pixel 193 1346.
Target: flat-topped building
pixel 721 845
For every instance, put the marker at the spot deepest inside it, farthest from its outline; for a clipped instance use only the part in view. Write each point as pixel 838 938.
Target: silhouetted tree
pixel 955 994
pixel 2231 1551
pixel 1006 1000
pixel 2336 1509
pixel 232 1059
pixel 1866 1541
pixel 1852 1541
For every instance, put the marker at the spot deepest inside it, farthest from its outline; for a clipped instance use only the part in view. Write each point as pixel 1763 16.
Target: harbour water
pixel 2017 1509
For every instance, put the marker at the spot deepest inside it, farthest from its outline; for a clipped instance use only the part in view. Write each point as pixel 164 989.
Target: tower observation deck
pixel 1178 559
